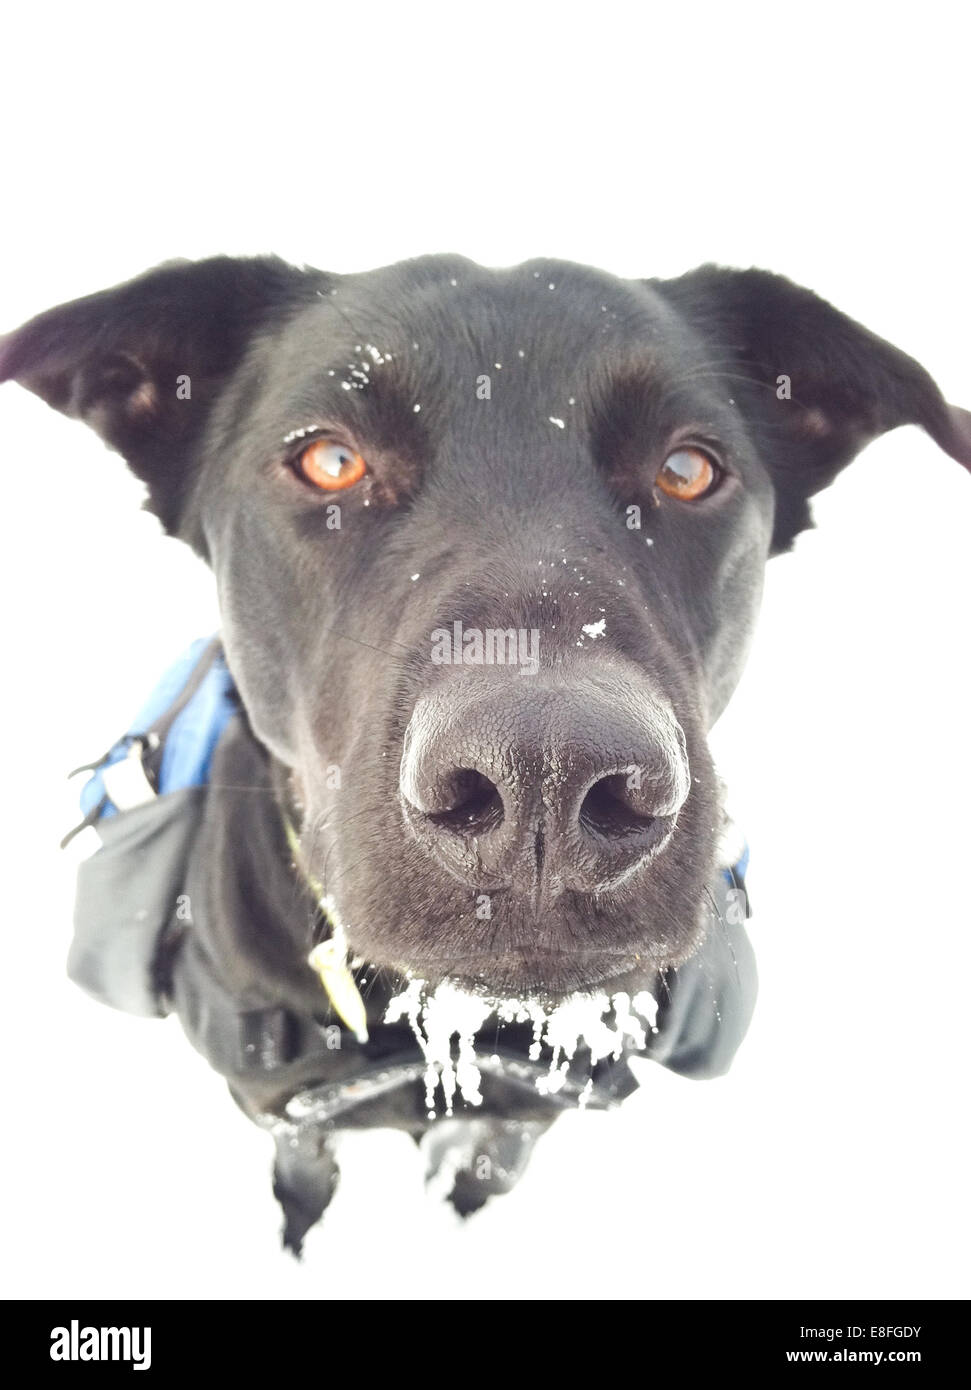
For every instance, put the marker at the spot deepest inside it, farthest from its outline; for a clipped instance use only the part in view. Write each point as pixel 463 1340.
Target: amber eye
pixel 687 474
pixel 331 466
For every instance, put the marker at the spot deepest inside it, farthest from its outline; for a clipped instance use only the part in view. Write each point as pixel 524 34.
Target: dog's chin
pixel 550 976
pixel 520 970
pixel 621 942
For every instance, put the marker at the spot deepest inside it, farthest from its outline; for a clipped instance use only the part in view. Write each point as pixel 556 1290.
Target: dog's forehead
pixel 541 312
pixel 449 287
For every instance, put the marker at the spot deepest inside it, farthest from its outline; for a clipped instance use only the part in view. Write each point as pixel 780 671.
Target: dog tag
pixel 329 959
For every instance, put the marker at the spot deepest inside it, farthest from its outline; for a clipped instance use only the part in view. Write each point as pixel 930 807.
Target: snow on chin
pixel 449 1012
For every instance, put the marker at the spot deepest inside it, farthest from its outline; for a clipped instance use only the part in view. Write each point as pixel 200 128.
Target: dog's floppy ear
pixel 143 363
pixel 816 386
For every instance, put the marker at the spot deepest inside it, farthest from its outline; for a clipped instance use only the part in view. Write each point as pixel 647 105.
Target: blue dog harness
pixel 172 739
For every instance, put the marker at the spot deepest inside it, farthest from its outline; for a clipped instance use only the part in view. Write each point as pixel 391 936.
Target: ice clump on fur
pixel 450 1013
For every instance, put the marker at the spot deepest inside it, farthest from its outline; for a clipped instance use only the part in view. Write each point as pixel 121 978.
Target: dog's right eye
pixel 330 466
pixel 688 474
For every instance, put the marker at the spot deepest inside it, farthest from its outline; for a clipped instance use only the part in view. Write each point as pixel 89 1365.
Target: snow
pixel 555 420
pixel 299 434
pixel 435 1019
pixel 450 1013
pixel 595 629
pixel 358 375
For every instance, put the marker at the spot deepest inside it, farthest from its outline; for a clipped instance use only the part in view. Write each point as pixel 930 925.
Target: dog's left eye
pixel 330 466
pixel 688 474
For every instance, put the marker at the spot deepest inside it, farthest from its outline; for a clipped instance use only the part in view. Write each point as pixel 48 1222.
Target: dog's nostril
pixel 470 803
pixel 608 808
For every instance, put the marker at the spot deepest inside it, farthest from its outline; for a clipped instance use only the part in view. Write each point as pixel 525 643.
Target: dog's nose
pixel 541 788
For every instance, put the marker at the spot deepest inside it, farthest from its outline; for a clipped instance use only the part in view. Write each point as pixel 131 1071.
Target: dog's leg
pixel 305 1177
pixel 470 1161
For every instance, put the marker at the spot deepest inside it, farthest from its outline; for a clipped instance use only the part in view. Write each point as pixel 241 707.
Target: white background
pixel 831 145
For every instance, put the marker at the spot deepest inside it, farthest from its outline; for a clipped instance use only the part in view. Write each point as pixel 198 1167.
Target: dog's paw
pixel 469 1161
pixel 305 1178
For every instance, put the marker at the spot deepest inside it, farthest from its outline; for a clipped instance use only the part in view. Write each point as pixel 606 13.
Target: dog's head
pixel 489 548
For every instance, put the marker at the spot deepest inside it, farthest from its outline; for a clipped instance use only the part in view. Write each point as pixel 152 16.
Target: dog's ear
pixel 816 386
pixel 143 363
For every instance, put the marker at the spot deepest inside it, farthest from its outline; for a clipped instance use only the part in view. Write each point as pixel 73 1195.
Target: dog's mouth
pixel 544 974
pixel 544 1021
pixel 535 973
pixel 551 1016
pixel 461 1039
pixel 407 920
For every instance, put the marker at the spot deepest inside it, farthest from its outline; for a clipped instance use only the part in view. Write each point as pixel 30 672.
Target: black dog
pixel 489 548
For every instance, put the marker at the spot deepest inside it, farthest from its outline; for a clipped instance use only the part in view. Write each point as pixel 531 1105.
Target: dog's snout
pixel 542 789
